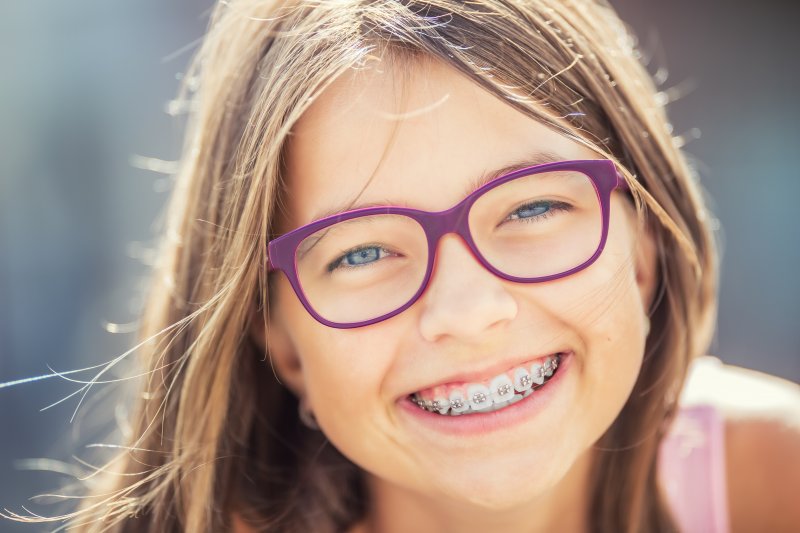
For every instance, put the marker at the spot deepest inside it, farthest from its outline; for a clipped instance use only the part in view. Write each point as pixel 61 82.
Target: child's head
pixel 304 109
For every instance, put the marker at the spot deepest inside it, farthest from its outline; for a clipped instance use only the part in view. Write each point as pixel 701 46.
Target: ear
pixel 272 337
pixel 646 263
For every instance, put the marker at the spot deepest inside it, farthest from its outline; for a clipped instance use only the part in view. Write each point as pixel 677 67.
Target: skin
pixel 762 438
pixel 355 137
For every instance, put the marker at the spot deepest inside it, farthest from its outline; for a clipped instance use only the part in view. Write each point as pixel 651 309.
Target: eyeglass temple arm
pixel 621 183
pixel 270 266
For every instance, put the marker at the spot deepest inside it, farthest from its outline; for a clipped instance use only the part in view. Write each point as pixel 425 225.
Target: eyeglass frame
pixel 282 251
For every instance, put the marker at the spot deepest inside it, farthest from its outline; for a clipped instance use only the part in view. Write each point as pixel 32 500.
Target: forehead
pixel 415 135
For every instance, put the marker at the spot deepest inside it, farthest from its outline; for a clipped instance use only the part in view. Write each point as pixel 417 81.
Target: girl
pixel 435 266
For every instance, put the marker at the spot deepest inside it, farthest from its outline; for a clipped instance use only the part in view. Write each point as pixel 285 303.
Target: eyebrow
pixel 536 158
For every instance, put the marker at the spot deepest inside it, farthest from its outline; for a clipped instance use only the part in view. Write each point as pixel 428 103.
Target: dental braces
pixel 544 371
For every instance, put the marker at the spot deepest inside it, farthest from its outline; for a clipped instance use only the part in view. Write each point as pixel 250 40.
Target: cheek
pixel 601 307
pixel 344 374
pixel 609 318
pixel 342 370
pixel 605 299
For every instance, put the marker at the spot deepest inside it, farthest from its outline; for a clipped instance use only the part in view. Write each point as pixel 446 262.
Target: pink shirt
pixel 691 467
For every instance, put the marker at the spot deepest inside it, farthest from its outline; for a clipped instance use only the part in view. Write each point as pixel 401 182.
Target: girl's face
pixel 418 138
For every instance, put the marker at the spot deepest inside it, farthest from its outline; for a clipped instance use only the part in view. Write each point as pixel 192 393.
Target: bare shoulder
pixel 762 435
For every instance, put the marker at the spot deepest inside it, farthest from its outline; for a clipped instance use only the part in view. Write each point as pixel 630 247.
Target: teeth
pixel 537 373
pixel 499 405
pixel 458 403
pixel 549 367
pixel 522 379
pixel 479 397
pixel 441 405
pixel 502 389
pixel 501 392
pixel 515 399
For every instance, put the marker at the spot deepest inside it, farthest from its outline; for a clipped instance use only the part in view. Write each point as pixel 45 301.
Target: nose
pixel 463 299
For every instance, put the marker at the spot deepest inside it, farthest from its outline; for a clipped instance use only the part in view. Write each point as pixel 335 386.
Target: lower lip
pixel 480 423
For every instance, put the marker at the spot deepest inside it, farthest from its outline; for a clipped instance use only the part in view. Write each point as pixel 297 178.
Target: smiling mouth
pixel 502 391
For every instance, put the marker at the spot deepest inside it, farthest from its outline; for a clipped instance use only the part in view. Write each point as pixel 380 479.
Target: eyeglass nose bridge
pixel 454 220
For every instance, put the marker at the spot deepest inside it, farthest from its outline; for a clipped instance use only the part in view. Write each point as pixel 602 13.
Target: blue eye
pixel 358 257
pixel 538 210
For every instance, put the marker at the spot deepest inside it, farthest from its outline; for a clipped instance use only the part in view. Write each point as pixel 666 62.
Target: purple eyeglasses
pixel 536 224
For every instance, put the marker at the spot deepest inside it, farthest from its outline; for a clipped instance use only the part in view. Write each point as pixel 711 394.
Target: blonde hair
pixel 214 431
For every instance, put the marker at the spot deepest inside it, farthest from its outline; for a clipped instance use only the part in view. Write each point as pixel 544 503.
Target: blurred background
pixel 84 91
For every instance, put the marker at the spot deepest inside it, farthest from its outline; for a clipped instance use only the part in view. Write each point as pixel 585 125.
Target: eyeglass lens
pixel 530 227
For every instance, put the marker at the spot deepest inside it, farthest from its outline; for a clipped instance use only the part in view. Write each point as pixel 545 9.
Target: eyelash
pixel 337 264
pixel 552 205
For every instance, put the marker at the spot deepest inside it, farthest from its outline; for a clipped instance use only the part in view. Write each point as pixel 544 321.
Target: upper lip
pixel 475 376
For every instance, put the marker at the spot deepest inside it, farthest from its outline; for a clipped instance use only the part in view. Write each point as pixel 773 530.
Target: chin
pixel 498 493
pixel 500 500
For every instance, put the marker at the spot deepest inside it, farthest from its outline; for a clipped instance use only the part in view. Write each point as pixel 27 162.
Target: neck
pixel 563 508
